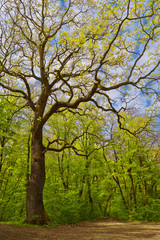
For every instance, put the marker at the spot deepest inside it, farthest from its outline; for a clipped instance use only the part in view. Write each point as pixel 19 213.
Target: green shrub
pixel 148 213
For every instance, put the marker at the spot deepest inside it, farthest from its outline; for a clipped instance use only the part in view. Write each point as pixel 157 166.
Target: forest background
pixel 84 93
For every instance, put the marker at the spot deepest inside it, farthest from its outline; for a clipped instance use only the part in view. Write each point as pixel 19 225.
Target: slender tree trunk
pixel 121 192
pixel 107 205
pixel 133 188
pixel 1 151
pixel 35 212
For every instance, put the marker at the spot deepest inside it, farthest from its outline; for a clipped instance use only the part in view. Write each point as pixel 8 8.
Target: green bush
pixel 118 209
pixel 148 213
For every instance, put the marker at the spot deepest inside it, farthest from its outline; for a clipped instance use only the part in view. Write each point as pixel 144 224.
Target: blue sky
pixel 63 4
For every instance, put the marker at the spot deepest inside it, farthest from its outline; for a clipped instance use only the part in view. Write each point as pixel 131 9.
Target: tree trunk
pixel 1 152
pixel 35 212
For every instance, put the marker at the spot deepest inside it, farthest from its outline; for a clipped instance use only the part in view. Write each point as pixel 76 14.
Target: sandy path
pixel 98 230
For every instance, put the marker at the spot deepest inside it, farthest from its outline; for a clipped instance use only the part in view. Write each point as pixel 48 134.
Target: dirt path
pixel 98 230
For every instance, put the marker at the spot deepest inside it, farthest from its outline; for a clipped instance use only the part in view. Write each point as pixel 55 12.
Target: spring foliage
pixel 115 174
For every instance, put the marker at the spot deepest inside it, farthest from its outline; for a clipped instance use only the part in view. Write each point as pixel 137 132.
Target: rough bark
pixel 35 211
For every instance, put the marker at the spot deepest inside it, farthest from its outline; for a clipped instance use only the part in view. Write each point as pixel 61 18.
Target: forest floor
pixel 97 230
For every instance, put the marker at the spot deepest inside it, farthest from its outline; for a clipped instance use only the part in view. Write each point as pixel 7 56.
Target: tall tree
pixel 13 152
pixel 57 56
pixel 131 162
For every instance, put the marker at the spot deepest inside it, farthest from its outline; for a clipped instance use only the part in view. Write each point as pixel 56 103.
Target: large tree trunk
pixel 35 212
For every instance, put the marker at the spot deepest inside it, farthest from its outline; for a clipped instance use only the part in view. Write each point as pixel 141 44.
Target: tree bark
pixel 1 152
pixel 35 212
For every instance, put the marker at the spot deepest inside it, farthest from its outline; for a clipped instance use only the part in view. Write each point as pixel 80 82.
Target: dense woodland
pixel 79 105
pixel 110 173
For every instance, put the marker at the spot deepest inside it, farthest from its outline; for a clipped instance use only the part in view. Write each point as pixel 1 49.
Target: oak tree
pixel 57 55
